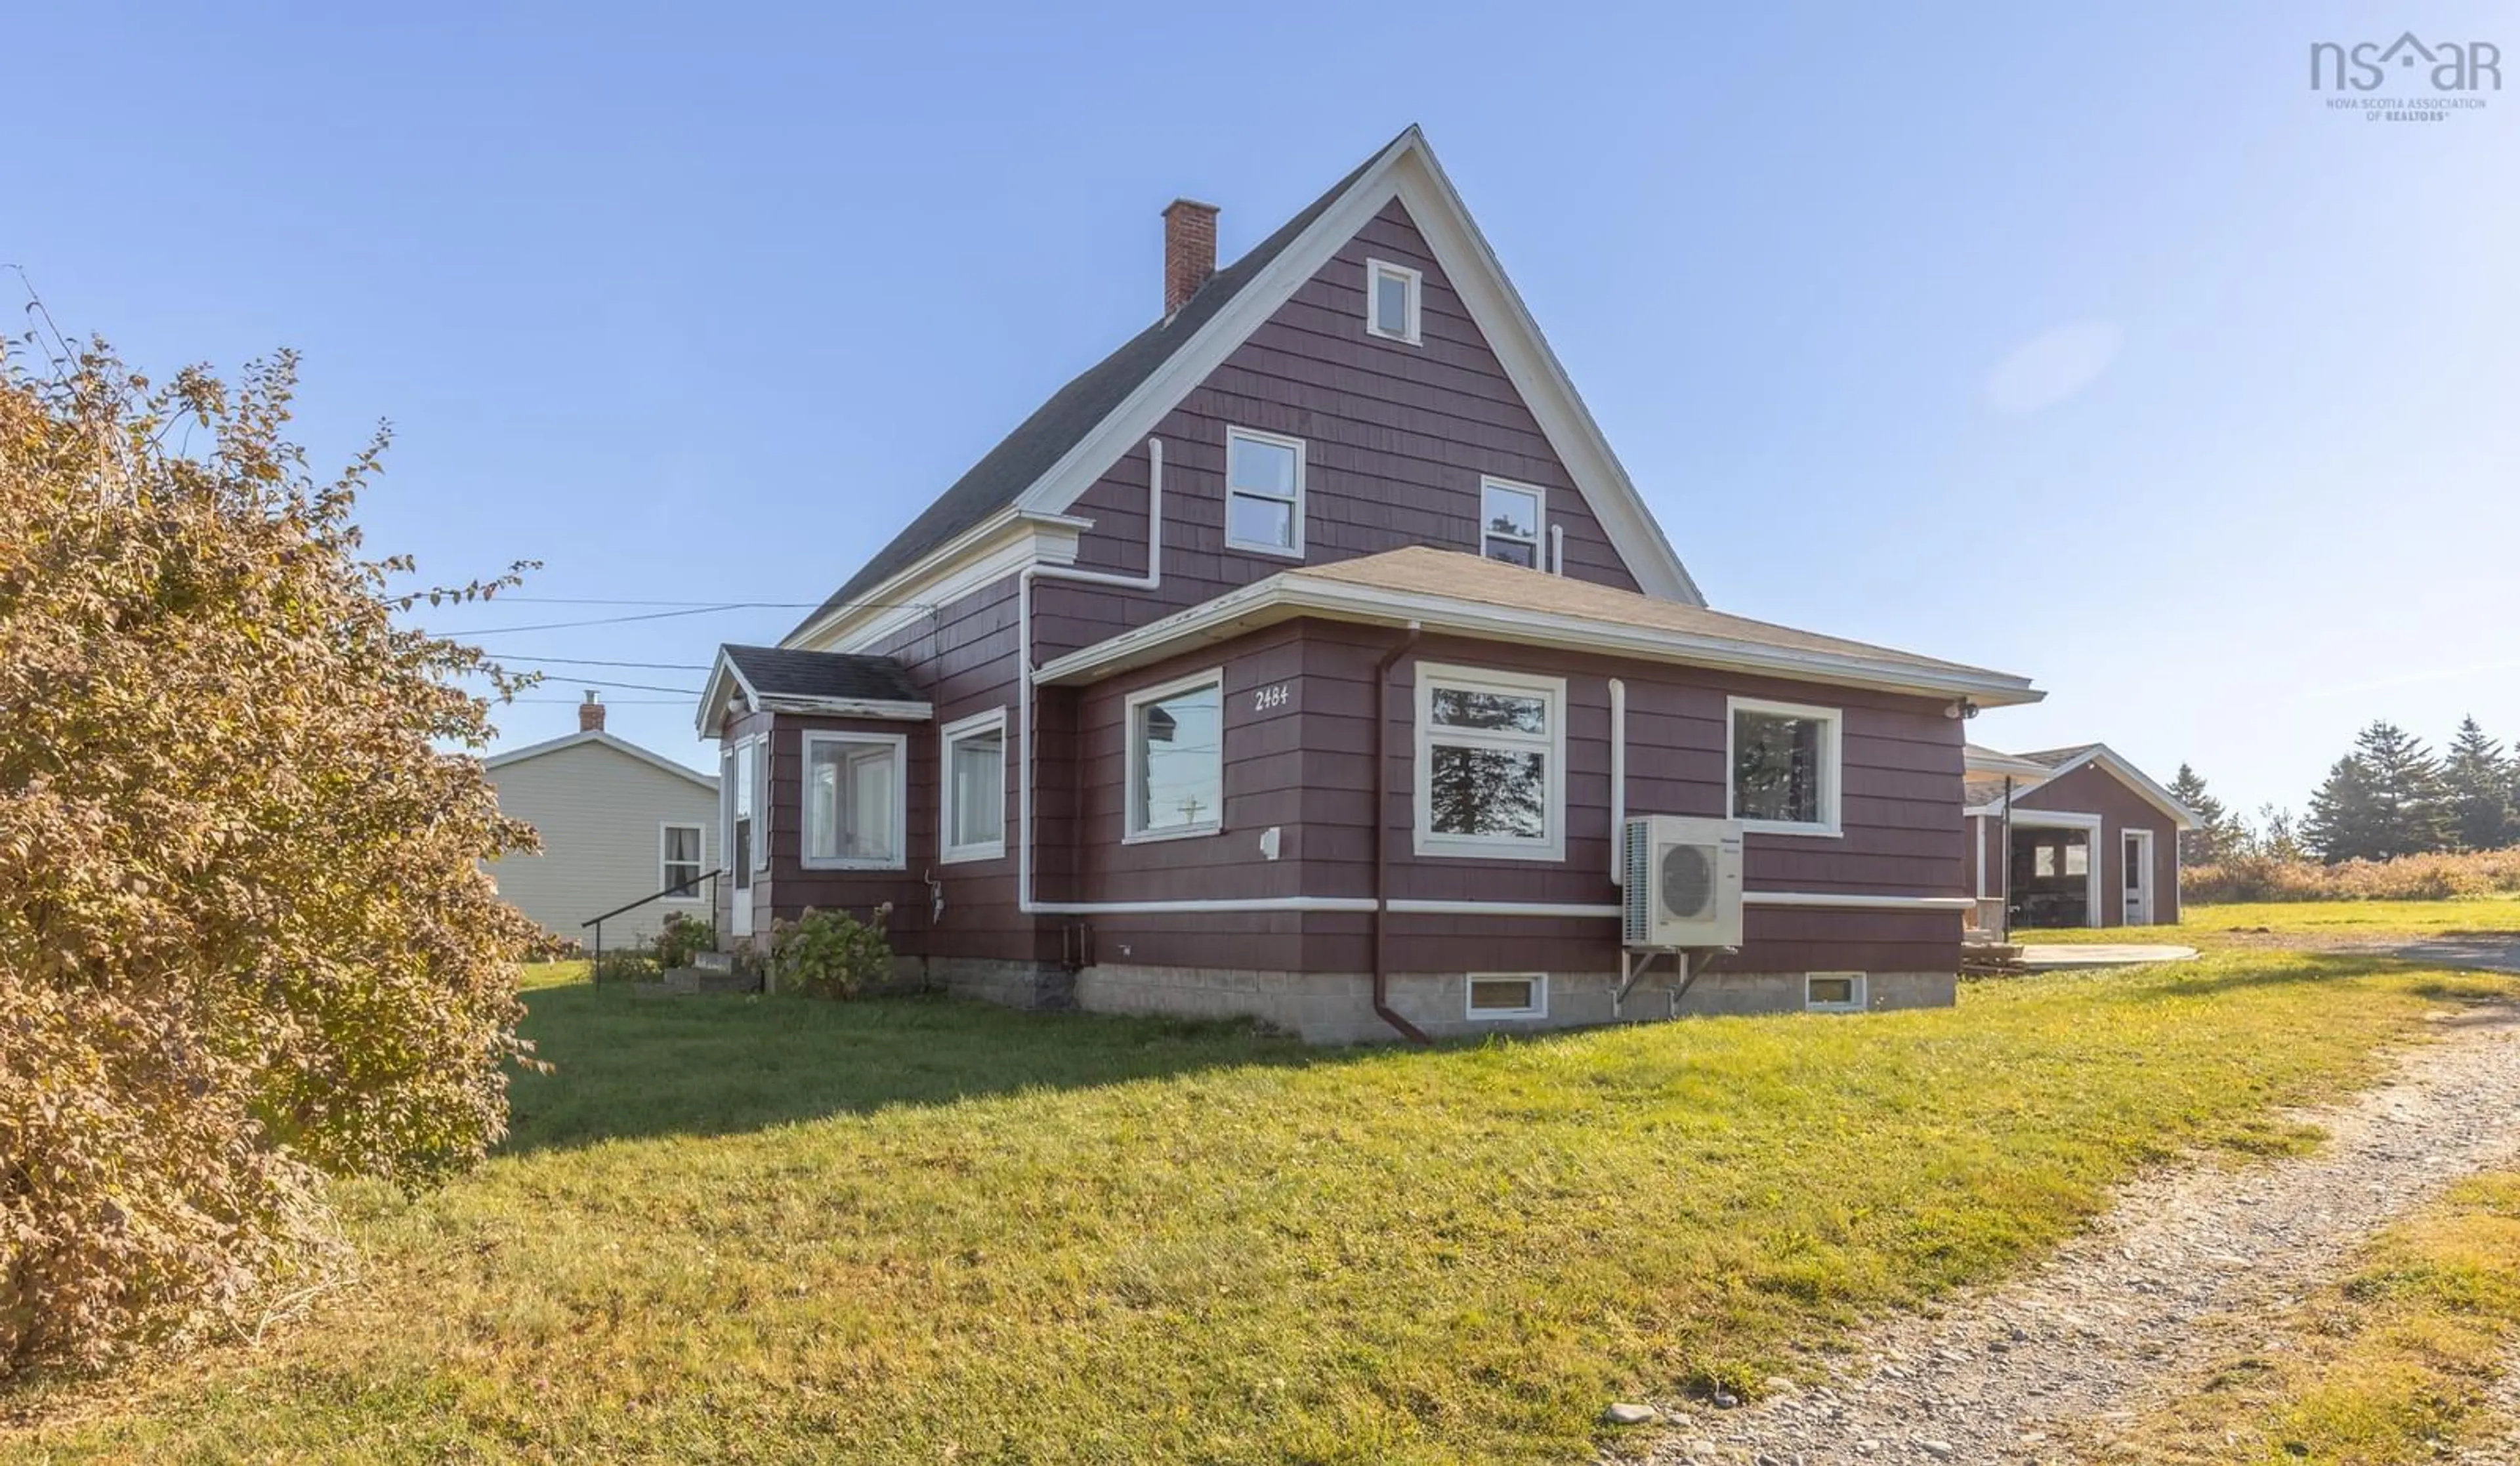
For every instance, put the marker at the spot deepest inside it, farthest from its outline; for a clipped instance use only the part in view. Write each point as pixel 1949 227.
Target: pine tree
pixel 2273 837
pixel 2412 814
pixel 2477 780
pixel 2343 821
pixel 2218 834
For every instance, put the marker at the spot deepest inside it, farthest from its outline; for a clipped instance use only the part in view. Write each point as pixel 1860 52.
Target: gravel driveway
pixel 2131 1301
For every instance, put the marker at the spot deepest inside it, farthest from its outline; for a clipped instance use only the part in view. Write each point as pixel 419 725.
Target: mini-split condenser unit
pixel 1684 882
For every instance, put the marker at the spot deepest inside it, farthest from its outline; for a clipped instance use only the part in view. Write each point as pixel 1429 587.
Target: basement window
pixel 1392 293
pixel 1509 994
pixel 1264 493
pixel 1833 992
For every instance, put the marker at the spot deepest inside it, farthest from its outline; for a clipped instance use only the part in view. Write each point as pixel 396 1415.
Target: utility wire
pixel 618 702
pixel 777 605
pixel 631 686
pixel 591 661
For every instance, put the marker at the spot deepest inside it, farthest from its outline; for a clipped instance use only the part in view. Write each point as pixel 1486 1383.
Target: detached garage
pixel 2072 837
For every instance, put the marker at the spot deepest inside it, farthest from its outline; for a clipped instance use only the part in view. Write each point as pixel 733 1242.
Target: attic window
pixel 1391 297
pixel 1510 523
pixel 1264 492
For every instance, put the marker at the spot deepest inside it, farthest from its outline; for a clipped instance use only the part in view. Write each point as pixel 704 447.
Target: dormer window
pixel 1510 523
pixel 1391 295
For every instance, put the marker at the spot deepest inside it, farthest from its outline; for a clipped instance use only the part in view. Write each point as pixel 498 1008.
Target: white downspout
pixel 1153 578
pixel 1557 550
pixel 1618 782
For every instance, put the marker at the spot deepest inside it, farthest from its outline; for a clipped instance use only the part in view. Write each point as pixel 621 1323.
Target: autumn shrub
pixel 244 936
pixel 625 964
pixel 830 955
pixel 2409 877
pixel 684 938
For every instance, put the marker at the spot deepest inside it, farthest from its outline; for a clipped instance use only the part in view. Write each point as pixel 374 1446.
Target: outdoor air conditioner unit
pixel 1684 882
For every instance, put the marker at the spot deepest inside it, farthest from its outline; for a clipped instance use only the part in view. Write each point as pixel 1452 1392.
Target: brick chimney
pixel 589 713
pixel 1189 250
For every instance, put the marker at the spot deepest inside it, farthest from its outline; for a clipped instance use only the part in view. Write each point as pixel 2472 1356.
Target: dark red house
pixel 2072 837
pixel 1301 658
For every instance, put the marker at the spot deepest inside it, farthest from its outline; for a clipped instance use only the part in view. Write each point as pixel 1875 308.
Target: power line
pixel 591 661
pixel 770 605
pixel 617 703
pixel 493 630
pixel 631 686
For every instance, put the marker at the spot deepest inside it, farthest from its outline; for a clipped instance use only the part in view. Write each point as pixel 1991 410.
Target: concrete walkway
pixel 2057 956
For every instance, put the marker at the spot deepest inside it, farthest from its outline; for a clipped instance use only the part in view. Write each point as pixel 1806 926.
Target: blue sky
pixel 2081 344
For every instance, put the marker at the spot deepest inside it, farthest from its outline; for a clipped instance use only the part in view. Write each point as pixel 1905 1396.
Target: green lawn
pixel 747 1229
pixel 2299 921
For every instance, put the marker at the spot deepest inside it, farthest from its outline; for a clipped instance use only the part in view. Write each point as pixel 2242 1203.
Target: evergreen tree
pixel 2344 823
pixel 2414 812
pixel 2219 835
pixel 2477 780
pixel 2273 837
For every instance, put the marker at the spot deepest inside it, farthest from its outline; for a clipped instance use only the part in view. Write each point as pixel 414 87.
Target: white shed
pixel 617 823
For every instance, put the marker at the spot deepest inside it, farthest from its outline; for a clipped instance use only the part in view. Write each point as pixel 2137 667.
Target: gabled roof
pixel 1450 590
pixel 601 739
pixel 837 683
pixel 2060 762
pixel 1056 455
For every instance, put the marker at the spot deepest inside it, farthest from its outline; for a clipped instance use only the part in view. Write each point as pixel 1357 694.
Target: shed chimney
pixel 589 713
pixel 1189 250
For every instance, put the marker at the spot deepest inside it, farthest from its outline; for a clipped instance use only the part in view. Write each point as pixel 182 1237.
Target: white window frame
pixel 1833 767
pixel 899 743
pixel 1295 551
pixel 1860 997
pixel 1552 846
pixel 949 853
pixel 1133 831
pixel 1540 519
pixel 1538 1008
pixel 1375 271
pixel 700 861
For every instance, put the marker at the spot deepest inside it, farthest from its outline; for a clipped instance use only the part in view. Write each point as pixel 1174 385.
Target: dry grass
pixel 2415 878
pixel 773 1230
pixel 2313 923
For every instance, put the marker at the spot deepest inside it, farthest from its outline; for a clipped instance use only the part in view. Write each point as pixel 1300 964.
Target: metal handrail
pixel 597 922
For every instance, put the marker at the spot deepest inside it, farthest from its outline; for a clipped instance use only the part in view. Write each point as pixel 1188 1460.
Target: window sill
pixel 1465 850
pixel 1784 827
pixel 1273 552
pixel 1158 836
pixel 681 901
pixel 1394 336
pixel 846 867
pixel 964 854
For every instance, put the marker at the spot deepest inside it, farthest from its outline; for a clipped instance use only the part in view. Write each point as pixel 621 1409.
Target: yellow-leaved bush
pixel 245 940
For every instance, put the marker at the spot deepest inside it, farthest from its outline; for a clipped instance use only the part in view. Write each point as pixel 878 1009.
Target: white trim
pixel 1494 908
pixel 1977 840
pixel 1540 525
pixel 2135 778
pixel 999 546
pixel 2093 886
pixel 1618 781
pixel 847 707
pixel 700 861
pixel 1535 1007
pixel 1291 593
pixel 898 744
pixel 1832 760
pixel 1406 169
pixel 617 744
pixel 1853 902
pixel 1295 551
pixel 1857 1003
pixel 1425 841
pixel 2151 887
pixel 1132 832
pixel 1415 282
pixel 947 852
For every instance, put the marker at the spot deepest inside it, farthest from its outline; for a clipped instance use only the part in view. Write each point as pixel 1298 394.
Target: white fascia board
pixel 1284 596
pixel 599 737
pixel 725 681
pixel 2134 778
pixel 989 552
pixel 1407 170
pixel 848 707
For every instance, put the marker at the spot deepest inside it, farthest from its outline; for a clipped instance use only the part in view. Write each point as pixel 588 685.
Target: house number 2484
pixel 1273 696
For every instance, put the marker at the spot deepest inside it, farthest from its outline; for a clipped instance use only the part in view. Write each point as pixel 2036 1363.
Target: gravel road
pixel 2131 1303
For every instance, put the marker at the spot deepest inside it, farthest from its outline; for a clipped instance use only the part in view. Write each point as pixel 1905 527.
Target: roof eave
pixel 1286 596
